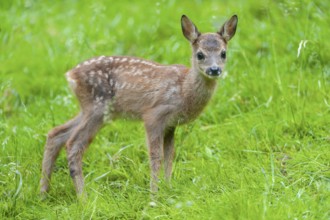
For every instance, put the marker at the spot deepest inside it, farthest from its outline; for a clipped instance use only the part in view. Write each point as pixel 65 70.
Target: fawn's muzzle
pixel 214 71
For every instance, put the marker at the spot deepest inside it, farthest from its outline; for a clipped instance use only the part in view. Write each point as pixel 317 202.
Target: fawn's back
pixel 128 86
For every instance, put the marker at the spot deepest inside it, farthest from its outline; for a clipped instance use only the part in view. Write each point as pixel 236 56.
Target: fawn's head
pixel 209 49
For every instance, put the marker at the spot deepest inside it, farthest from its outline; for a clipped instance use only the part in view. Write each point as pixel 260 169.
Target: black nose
pixel 214 71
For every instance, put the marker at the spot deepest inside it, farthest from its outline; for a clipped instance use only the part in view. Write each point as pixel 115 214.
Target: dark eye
pixel 200 56
pixel 223 54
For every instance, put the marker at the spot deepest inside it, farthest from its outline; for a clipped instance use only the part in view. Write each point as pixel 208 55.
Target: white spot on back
pixel 137 72
pixel 133 60
pixel 100 72
pixel 101 57
pixel 147 63
pixel 145 70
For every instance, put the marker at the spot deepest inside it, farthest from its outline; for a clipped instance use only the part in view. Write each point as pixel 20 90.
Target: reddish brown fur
pixel 163 96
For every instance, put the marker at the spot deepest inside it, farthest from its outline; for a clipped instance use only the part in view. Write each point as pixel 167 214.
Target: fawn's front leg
pixel 155 139
pixel 168 152
pixel 155 122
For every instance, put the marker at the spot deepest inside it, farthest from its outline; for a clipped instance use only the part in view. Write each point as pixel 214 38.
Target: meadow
pixel 260 150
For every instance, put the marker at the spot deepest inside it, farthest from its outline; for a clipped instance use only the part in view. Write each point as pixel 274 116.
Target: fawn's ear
pixel 189 30
pixel 228 29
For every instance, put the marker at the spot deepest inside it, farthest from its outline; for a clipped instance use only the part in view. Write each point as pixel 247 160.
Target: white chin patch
pixel 212 77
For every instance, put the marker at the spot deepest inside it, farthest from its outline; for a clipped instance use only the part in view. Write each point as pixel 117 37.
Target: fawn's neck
pixel 197 91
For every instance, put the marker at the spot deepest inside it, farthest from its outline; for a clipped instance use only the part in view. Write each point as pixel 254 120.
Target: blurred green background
pixel 260 150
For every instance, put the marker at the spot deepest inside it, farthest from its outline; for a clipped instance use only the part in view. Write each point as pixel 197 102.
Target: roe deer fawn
pixel 163 96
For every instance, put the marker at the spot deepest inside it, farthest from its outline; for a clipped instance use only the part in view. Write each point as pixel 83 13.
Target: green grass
pixel 260 150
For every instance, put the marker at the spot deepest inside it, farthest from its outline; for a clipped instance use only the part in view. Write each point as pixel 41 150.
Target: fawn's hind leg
pixel 78 142
pixel 56 139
